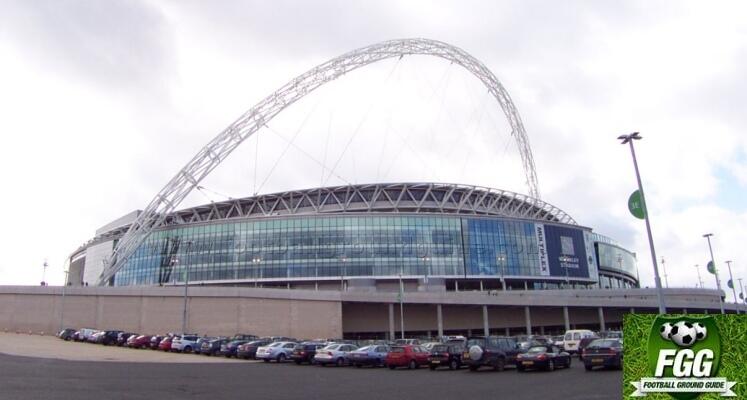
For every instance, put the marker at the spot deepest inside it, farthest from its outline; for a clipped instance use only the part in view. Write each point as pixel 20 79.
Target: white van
pixel 573 337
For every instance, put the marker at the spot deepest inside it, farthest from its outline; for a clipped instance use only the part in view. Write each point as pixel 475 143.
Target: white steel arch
pixel 251 121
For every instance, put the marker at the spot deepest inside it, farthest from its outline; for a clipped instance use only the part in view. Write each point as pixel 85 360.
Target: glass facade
pixel 343 246
pixel 617 259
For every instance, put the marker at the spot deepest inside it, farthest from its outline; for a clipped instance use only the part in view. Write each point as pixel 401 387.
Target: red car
pixel 410 356
pixel 139 342
pixel 165 344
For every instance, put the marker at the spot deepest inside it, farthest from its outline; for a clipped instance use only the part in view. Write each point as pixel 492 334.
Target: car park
pixel 410 356
pixel 492 351
pixel 374 355
pixel 546 357
pixel 582 345
pixel 184 343
pixel 305 352
pixel 248 350
pixel 572 339
pixel 606 353
pixel 278 351
pixel 446 355
pixel 66 334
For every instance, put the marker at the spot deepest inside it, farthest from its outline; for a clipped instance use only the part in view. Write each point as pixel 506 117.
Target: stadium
pixel 337 261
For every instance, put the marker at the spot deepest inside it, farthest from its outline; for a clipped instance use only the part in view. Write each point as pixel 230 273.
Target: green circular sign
pixel 711 268
pixel 636 206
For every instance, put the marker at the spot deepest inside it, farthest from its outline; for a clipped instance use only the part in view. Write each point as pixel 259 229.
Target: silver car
pixel 278 351
pixel 335 353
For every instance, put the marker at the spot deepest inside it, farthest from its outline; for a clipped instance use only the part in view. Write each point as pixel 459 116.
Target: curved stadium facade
pixel 443 236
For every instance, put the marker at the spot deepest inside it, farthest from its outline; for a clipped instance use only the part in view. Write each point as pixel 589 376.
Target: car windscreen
pixel 604 343
pixel 366 348
pixel 537 350
pixel 440 348
pixel 398 350
pixel 476 342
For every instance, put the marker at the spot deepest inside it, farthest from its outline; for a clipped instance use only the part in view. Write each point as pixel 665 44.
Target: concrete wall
pixel 212 315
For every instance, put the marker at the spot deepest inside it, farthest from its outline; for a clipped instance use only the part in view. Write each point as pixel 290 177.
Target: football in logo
pixel 666 331
pixel 684 334
pixel 700 331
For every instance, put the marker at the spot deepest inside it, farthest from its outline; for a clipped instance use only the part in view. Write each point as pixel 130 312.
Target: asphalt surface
pixel 40 378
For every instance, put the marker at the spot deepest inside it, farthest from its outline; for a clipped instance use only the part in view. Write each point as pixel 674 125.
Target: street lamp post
pixel 699 279
pixel 733 290
pixel 629 139
pixel 715 272
pixel 666 277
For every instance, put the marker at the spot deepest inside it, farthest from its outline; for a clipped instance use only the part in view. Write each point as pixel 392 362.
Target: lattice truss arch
pixel 210 156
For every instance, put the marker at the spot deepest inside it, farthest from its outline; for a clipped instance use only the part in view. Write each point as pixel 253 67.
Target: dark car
pixel 109 337
pixel 155 341
pixel 446 355
pixel 583 343
pixel 122 338
pixel 546 357
pixel 198 345
pixel 492 351
pixel 245 337
pixel 230 349
pixel 212 347
pixel 304 352
pixel 248 350
pixel 606 353
pixel 66 334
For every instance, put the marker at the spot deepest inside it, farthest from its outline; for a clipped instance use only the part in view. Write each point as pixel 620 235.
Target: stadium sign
pixel 684 359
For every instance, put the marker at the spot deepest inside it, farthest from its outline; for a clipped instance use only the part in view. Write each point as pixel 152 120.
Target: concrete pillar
pixel 440 318
pixel 632 310
pixel 601 319
pixel 485 325
pixel 469 332
pixel 705 311
pixel 508 332
pixel 528 319
pixel 481 288
pixel 684 311
pixel 542 330
pixel 391 321
pixel 456 286
pixel 566 319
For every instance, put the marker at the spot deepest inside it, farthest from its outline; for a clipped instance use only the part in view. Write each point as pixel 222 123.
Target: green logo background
pixel 656 342
pixel 733 365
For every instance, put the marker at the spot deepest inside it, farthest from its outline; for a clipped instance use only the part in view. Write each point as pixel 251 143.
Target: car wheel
pixel 500 364
pixel 266 359
pixel 588 367
pixel 551 365
pixel 281 358
pixel 412 364
pixel 473 368
pixel 453 365
pixel 358 365
pixel 568 365
pixel 432 367
pixel 187 349
pixel 340 362
pixel 298 362
pixel 392 367
pixel 520 368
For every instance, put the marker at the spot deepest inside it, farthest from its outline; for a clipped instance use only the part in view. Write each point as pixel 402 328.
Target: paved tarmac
pixel 43 378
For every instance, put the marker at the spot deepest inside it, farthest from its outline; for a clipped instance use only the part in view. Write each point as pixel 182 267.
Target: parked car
pixel 572 338
pixel 305 352
pixel 213 347
pixel 123 337
pixel 374 355
pixel 66 334
pixel 278 351
pixel 139 342
pixel 248 350
pixel 165 344
pixel 606 353
pixel 184 343
pixel 109 337
pixel 557 341
pixel 155 341
pixel 402 342
pixel 198 346
pixel 97 337
pixel 245 337
pixel 582 345
pixel 446 355
pixel 409 355
pixel 492 351
pixel 231 348
pixel 334 353
pixel 546 357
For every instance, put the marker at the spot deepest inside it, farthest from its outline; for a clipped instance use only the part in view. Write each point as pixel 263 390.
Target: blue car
pixel 373 355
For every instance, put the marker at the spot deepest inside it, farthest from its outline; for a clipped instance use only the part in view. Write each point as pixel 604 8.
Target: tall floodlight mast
pixel 258 116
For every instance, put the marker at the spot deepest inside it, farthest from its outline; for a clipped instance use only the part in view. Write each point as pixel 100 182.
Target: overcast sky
pixel 102 102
